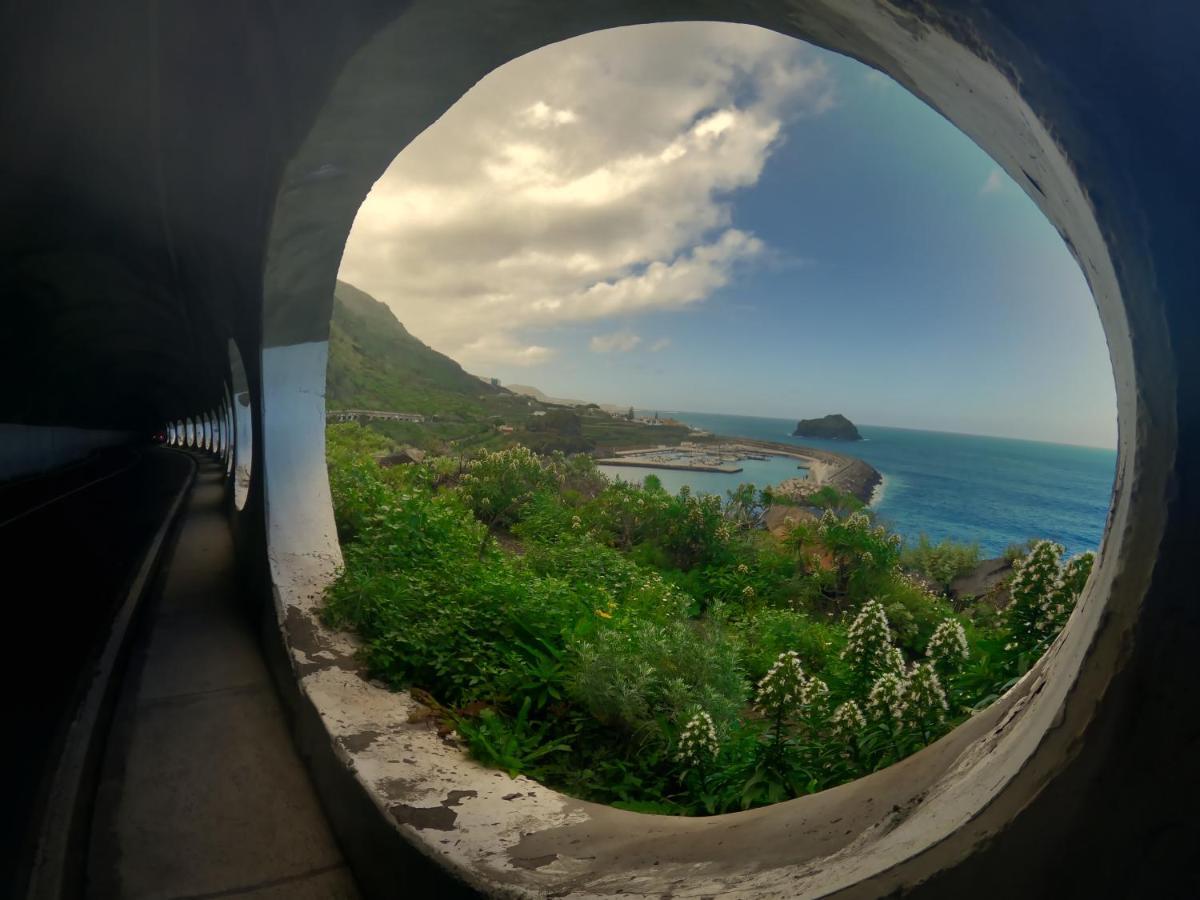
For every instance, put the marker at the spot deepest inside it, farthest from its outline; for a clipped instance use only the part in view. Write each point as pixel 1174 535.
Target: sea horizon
pixel 984 489
pixel 1000 437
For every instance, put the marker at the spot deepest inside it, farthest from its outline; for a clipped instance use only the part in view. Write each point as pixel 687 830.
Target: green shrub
pixel 616 652
pixel 914 612
pixel 837 502
pixel 864 556
pixel 1044 589
pixel 771 632
pixel 940 563
pixel 642 675
pixel 692 529
pixel 498 485
pixel 624 514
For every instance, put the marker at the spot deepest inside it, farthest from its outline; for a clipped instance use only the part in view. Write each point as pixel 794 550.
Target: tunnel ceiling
pixel 139 159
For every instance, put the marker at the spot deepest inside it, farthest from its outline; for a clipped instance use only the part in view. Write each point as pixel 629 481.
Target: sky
pixel 718 218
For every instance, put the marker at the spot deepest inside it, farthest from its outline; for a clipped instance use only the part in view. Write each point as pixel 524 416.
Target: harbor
pixel 723 458
pixel 792 472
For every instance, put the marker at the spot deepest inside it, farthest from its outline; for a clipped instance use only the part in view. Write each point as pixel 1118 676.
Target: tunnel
pixel 178 184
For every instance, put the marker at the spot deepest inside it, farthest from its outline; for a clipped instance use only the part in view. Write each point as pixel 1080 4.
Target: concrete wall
pixel 178 175
pixel 29 449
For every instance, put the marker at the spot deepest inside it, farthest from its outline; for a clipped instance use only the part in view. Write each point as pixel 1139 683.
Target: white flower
pixel 948 647
pixel 924 698
pixel 848 720
pixel 781 687
pixel 869 648
pixel 813 692
pixel 698 741
pixel 887 701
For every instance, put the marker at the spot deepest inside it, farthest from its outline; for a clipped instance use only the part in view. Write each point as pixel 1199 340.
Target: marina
pixel 793 472
pixel 726 458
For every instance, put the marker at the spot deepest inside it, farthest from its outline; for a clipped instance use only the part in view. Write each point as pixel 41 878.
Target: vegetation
pixel 941 563
pixel 661 652
pixel 374 363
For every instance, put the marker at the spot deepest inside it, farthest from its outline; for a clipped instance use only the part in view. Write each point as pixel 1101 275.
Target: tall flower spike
pixel 698 743
pixel 869 647
pixel 925 699
pixel 813 693
pixel 848 721
pixel 948 648
pixel 888 699
pixel 780 690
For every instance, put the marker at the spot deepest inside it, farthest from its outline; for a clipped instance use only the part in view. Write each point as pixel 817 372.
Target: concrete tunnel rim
pixel 304 557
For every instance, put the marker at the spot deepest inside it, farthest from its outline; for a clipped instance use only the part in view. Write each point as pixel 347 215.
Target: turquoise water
pixel 755 471
pixel 995 491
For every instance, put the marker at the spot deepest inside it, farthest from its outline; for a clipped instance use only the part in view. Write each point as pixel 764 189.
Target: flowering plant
pixel 1044 590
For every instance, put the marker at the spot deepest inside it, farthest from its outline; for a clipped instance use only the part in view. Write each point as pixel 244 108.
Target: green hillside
pixel 374 363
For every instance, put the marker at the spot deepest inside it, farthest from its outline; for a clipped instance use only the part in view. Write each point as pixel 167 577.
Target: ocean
pixel 992 491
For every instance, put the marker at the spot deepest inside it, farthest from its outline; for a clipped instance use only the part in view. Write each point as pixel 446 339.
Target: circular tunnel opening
pixel 230 439
pixel 1006 129
pixel 923 559
pixel 243 428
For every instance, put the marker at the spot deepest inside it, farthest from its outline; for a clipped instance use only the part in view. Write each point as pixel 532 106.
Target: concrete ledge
pixel 413 809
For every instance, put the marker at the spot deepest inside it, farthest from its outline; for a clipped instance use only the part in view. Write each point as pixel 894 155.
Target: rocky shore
pixel 847 474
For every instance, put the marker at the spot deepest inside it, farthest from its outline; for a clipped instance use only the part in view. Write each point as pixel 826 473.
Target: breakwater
pixel 848 474
pixel 722 454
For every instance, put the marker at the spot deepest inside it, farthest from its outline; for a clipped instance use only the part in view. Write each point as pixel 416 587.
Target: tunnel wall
pixel 172 178
pixel 30 449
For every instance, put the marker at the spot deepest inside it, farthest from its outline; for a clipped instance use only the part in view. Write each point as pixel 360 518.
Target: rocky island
pixel 835 427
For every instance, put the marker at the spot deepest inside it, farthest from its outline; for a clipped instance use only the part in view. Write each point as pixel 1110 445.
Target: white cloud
pixel 490 349
pixel 660 344
pixel 994 182
pixel 617 342
pixel 591 179
pixel 541 115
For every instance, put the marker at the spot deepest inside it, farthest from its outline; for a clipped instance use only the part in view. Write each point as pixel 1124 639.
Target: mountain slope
pixel 374 363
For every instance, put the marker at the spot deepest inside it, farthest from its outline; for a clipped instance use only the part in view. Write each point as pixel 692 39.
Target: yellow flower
pixel 604 613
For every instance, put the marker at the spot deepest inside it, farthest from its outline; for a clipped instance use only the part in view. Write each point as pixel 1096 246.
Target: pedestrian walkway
pixel 202 793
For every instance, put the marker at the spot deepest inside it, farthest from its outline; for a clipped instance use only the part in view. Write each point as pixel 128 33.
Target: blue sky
pixel 716 218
